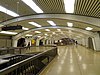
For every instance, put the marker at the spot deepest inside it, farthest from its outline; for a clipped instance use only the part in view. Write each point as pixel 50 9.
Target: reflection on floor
pixel 35 49
pixel 74 61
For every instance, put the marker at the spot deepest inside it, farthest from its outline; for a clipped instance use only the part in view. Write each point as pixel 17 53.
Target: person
pixel 76 43
pixel 28 46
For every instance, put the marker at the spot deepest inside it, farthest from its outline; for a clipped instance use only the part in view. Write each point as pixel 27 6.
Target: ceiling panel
pixel 21 8
pixel 88 7
pixel 51 6
pixel 82 7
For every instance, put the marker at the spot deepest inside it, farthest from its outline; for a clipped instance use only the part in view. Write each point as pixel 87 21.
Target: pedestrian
pixel 28 46
pixel 76 43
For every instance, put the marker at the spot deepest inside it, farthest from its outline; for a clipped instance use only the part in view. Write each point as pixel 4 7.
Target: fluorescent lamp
pixel 70 24
pixel 60 40
pixel 38 36
pixel 51 23
pixel 37 32
pixel 28 35
pixel 7 32
pixel 25 28
pixel 88 28
pixel 69 6
pixel 53 33
pixel 7 11
pixel 47 30
pixel 33 6
pixel 46 34
pixel 35 24
pixel 59 29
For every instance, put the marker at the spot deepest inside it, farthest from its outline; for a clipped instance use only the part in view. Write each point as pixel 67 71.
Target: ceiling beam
pixel 88 33
pixel 77 18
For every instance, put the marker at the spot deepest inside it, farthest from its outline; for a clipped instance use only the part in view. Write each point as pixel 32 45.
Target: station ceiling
pixel 88 8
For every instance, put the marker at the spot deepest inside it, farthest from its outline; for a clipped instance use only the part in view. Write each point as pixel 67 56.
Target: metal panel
pixel 88 7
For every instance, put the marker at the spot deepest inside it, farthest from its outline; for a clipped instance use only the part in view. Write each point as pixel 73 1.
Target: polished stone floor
pixel 35 49
pixel 74 60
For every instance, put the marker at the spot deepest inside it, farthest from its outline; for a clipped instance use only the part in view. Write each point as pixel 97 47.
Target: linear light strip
pixel 25 28
pixel 69 6
pixel 33 6
pixel 47 30
pixel 88 28
pixel 7 32
pixel 70 24
pixel 37 32
pixel 35 24
pixel 7 11
pixel 59 29
pixel 28 35
pixel 51 23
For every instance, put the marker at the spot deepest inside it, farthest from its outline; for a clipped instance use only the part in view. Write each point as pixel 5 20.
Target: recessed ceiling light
pixel 25 28
pixel 51 23
pixel 53 33
pixel 38 36
pixel 88 28
pixel 46 34
pixel 35 24
pixel 70 24
pixel 60 40
pixel 7 11
pixel 33 6
pixel 28 35
pixel 47 30
pixel 37 32
pixel 7 32
pixel 69 6
pixel 59 29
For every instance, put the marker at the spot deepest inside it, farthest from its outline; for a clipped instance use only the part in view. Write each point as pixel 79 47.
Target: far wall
pixel 5 41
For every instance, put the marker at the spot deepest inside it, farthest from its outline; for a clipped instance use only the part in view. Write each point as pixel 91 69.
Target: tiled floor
pixel 74 60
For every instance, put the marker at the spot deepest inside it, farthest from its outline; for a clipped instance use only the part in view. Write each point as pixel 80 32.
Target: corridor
pixel 72 60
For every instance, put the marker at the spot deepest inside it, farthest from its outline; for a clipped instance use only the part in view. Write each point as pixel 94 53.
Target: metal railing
pixel 32 65
pixel 18 50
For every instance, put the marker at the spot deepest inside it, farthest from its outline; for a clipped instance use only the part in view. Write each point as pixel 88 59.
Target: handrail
pixel 11 50
pixel 15 66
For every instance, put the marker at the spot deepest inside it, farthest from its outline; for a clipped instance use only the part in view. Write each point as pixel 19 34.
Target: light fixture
pixel 33 6
pixel 51 23
pixel 7 11
pixel 38 36
pixel 47 30
pixel 28 35
pixel 59 29
pixel 37 32
pixel 7 32
pixel 25 28
pixel 53 33
pixel 70 24
pixel 88 28
pixel 60 40
pixel 46 34
pixel 35 24
pixel 50 35
pixel 69 6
